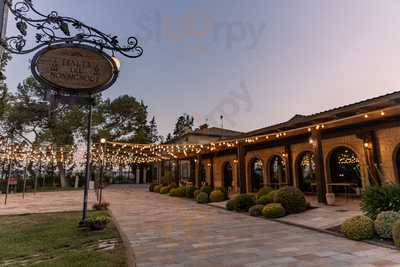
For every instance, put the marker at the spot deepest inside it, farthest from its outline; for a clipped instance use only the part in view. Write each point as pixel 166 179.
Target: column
pixel 241 171
pixel 137 175
pixel 145 174
pixel 319 166
pixel 288 165
pixel 198 164
pixel 177 172
pixel 212 171
pixel 371 151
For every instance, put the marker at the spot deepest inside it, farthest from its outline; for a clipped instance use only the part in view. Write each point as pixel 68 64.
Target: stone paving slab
pixel 166 231
pixel 44 202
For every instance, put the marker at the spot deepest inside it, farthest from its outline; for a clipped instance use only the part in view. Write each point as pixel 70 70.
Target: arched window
pixel 344 168
pixel 228 175
pixel 256 175
pixel 277 171
pixel 306 171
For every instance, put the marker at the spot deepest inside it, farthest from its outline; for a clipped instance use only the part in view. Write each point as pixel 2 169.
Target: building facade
pixel 342 150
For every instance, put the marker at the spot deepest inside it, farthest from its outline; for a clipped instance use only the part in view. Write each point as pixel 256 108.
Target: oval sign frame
pixel 113 75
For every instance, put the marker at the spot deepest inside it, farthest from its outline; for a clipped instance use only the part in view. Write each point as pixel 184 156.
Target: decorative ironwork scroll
pixel 53 29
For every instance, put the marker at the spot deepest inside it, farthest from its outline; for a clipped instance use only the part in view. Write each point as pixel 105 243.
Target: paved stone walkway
pixel 44 202
pixel 174 232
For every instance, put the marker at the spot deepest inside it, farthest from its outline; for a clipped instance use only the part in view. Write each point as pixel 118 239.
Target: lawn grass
pixel 54 239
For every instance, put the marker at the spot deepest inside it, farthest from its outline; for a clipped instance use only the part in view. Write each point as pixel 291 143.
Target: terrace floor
pixel 44 202
pixel 175 232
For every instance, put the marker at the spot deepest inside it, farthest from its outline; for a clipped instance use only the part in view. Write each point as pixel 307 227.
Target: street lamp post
pixel 104 147
pixel 56 37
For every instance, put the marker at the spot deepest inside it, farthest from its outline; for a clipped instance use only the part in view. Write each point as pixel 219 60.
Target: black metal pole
pixel 87 171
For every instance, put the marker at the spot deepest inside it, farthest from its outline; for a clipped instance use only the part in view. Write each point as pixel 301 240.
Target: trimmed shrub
pixel 196 193
pixel 223 190
pixel 206 189
pixel 231 204
pixel 396 233
pixel 102 206
pixel 380 198
pixel 217 196
pixel 180 191
pixel 244 202
pixel 273 210
pixel 202 198
pixel 256 210
pixel 384 223
pixel 291 198
pixel 267 199
pixel 157 188
pixel 264 191
pixel 172 185
pixel 151 187
pixel 358 228
pixel 189 192
pixel 165 190
pixel 172 192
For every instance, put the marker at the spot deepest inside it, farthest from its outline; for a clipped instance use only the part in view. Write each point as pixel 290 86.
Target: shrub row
pixel 361 227
pixel 203 195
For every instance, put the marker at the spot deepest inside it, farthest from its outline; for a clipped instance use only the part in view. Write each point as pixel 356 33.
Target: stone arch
pixel 227 174
pixel 276 170
pixel 305 172
pixel 255 174
pixel 396 162
pixel 345 170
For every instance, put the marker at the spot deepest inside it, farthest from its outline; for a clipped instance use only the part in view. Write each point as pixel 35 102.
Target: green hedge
pixel 358 228
pixel 202 198
pixel 256 210
pixel 273 210
pixel 384 223
pixel 217 196
pixel 380 198
pixel 291 198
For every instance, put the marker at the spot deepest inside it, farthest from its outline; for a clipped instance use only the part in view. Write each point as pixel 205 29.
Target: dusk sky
pixel 257 62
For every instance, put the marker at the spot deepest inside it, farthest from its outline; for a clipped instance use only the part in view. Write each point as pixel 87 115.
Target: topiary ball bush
pixel 396 233
pixel 180 191
pixel 384 223
pixel 165 190
pixel 266 199
pixel 172 185
pixel 273 210
pixel 206 189
pixel 244 202
pixel 264 191
pixel 223 190
pixel 231 204
pixel 256 210
pixel 291 198
pixel 358 228
pixel 157 188
pixel 172 192
pixel 202 198
pixel 151 187
pixel 217 196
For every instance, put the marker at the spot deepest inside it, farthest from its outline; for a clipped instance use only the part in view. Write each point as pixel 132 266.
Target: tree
pixel 169 138
pixel 183 125
pixel 154 137
pixel 125 119
pixel 35 121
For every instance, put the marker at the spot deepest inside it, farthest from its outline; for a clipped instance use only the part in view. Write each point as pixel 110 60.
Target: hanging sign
pixel 74 68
